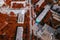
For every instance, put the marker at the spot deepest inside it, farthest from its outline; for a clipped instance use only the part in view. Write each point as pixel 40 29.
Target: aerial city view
pixel 29 19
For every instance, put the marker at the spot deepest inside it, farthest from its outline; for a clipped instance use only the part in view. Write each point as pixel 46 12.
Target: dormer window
pixel 21 16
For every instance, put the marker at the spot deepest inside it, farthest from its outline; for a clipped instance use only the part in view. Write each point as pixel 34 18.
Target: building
pixel 29 19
